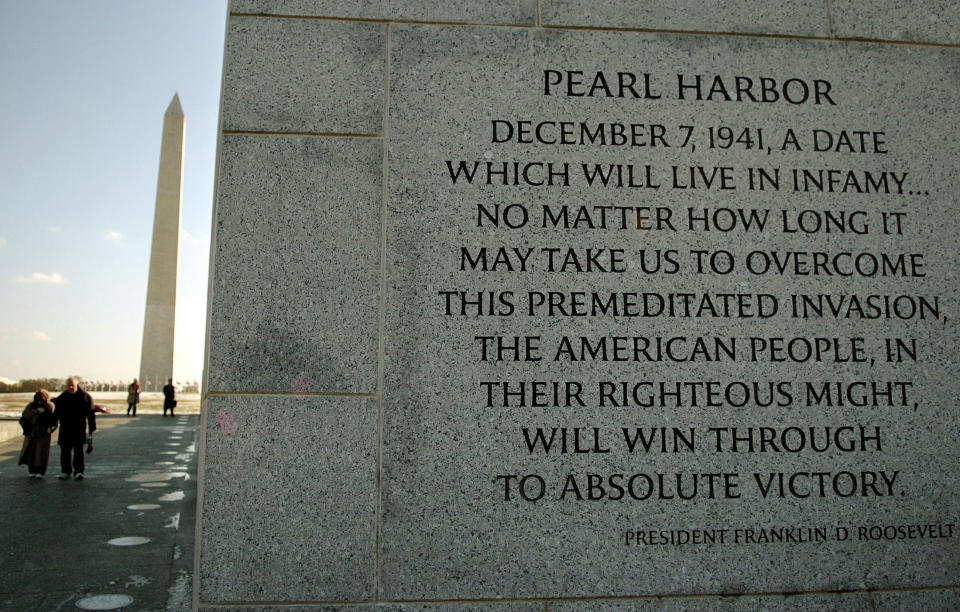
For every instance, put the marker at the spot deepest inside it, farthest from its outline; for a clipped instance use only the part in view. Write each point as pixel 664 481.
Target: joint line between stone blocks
pixel 288 394
pixel 381 341
pixel 301 134
pixel 830 37
pixel 830 18
pixel 386 21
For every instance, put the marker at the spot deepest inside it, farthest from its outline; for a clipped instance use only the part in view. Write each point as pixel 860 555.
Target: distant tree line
pixel 28 385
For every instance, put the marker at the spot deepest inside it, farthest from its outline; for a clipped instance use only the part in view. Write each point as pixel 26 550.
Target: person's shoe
pixel 78 476
pixel 63 476
pixel 38 476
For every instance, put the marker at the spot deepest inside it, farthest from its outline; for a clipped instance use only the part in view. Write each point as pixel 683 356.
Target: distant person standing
pixel 74 412
pixel 38 423
pixel 133 397
pixel 168 398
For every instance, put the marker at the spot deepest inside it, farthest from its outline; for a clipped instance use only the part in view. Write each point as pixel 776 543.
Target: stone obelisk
pixel 156 352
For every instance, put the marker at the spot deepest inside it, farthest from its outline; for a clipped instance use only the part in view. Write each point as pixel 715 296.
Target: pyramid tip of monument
pixel 174 106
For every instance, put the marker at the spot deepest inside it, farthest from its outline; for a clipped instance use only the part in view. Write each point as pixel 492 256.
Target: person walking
pixel 74 413
pixel 133 397
pixel 38 422
pixel 168 398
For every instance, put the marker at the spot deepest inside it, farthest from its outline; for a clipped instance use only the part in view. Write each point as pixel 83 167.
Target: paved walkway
pixel 60 541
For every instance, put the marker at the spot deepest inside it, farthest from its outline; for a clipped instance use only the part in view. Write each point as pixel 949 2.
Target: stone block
pixel 303 76
pixel 931 21
pixel 503 12
pixel 289 500
pixel 796 17
pixel 457 522
pixel 296 265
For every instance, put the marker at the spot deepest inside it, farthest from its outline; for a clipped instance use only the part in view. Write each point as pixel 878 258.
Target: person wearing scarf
pixel 39 423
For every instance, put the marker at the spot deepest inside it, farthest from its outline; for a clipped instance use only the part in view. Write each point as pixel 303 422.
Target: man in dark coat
pixel 168 398
pixel 74 412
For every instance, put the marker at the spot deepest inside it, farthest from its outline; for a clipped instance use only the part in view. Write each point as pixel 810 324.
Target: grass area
pixel 12 404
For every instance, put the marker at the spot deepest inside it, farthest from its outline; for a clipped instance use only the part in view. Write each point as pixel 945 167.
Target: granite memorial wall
pixel 584 305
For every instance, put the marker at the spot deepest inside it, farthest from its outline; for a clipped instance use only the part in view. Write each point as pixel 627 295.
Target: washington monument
pixel 156 352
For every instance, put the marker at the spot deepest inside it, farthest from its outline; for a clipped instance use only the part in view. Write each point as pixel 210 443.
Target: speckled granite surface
pixel 303 75
pixel 289 499
pixel 349 265
pixel 447 425
pixel 297 255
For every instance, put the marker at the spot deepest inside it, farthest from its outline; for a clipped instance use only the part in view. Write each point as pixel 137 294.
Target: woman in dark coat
pixel 38 418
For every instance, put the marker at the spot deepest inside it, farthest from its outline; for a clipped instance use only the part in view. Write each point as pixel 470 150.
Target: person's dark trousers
pixel 132 407
pixel 65 451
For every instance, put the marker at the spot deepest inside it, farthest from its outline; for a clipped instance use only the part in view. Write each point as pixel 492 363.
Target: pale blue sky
pixel 84 88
